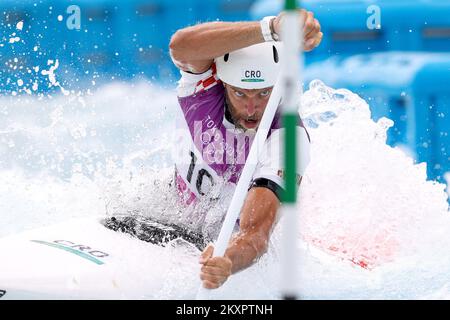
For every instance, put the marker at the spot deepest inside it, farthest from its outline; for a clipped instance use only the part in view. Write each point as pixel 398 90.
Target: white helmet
pixel 254 67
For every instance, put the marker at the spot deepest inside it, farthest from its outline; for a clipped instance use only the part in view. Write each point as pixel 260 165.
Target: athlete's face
pixel 247 106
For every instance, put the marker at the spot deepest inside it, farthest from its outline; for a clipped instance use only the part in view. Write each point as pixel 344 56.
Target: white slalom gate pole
pixel 291 35
pixel 240 193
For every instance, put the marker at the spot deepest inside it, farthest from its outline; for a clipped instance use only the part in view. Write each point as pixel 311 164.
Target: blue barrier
pixel 117 39
pixel 409 88
pixel 146 32
pixel 92 49
pixel 436 27
pixel 227 10
pixel 382 79
pixel 432 114
pixel 142 38
pixel 124 39
pixel 53 42
pixel 151 23
pixel 418 25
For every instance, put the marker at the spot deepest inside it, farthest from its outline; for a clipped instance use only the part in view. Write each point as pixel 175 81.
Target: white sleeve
pixel 191 83
pixel 271 161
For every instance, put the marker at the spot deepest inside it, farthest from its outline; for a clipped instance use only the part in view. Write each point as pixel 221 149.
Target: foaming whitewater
pixel 60 149
pixel 369 206
pixel 371 224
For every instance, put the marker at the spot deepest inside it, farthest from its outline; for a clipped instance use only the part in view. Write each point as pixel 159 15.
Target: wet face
pixel 247 105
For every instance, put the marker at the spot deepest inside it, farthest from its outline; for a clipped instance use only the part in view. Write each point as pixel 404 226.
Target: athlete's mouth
pixel 250 123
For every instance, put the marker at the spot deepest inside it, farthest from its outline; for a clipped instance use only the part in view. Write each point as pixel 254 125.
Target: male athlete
pixel 228 70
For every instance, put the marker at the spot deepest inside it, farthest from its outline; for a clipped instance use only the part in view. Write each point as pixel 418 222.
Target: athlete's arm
pixel 259 213
pixel 257 220
pixel 194 48
pixel 258 217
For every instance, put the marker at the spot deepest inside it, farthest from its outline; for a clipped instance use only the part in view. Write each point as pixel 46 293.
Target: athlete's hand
pixel 311 29
pixel 215 271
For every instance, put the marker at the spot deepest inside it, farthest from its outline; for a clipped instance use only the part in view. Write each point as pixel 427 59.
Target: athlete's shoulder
pixel 191 83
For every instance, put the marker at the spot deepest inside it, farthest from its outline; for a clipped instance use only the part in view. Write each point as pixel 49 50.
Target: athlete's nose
pixel 251 107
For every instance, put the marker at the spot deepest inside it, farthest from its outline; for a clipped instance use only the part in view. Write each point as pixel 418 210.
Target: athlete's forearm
pixel 257 220
pixel 213 39
pixel 244 250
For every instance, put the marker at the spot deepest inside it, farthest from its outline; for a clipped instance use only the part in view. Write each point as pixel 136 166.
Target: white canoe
pixel 82 259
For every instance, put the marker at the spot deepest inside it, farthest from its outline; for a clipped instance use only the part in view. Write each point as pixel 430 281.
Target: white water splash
pixel 50 73
pixel 19 25
pixel 18 65
pixel 28 201
pixel 366 202
pixel 14 40
pixel 373 198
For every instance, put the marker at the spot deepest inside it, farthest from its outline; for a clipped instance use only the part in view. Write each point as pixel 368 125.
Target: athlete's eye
pixel 238 94
pixel 264 93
